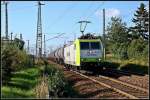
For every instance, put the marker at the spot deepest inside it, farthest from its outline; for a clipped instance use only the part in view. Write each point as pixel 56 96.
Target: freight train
pixel 83 53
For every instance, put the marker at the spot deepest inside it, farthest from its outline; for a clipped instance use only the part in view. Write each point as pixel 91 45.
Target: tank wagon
pixel 80 54
pixel 57 55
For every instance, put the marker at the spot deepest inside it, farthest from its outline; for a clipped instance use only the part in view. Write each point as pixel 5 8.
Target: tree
pixel 117 34
pixel 19 43
pixel 117 31
pixel 141 21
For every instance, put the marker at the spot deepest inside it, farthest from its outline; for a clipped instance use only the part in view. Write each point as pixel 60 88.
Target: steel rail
pixel 106 85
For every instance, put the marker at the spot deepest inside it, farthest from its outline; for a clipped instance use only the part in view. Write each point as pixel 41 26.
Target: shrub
pixel 39 61
pixel 119 50
pixel 13 59
pixel 136 48
pixel 145 51
pixel 56 81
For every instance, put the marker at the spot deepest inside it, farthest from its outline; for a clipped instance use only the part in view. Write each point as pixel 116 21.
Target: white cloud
pixel 112 12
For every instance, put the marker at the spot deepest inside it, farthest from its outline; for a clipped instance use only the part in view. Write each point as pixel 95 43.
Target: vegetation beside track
pixel 22 75
pixel 25 83
pixel 58 85
pixel 132 65
pixel 22 84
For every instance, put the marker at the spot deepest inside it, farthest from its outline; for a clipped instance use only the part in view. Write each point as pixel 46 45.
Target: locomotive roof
pixel 83 40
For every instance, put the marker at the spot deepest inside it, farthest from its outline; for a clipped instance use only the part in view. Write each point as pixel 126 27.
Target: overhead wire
pixel 73 24
pixel 95 10
pixel 61 16
pixel 86 17
pixel 83 14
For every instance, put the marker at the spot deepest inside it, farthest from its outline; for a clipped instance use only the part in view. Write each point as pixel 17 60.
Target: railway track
pixel 90 86
pixel 130 78
pixel 125 90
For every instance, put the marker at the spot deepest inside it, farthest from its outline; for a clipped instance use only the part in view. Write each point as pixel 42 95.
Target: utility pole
pixel 20 36
pixel 28 46
pixel 11 36
pixel 81 23
pixel 6 19
pixel 39 32
pixel 104 47
pixel 44 47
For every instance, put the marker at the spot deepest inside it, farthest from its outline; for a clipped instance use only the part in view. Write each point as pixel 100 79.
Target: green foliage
pixel 119 51
pixel 39 61
pixel 141 21
pixel 117 38
pixel 131 42
pixel 123 51
pixel 19 43
pixel 145 51
pixel 136 48
pixel 56 79
pixel 22 84
pixel 117 31
pixel 13 59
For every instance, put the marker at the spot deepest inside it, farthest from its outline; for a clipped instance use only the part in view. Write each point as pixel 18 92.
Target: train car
pixel 51 56
pixel 84 53
pixel 59 55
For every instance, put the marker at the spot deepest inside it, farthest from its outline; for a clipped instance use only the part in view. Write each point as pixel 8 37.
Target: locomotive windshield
pixel 95 45
pixel 89 45
pixel 84 45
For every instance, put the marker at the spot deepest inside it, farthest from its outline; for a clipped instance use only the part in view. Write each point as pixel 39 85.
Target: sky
pixel 61 17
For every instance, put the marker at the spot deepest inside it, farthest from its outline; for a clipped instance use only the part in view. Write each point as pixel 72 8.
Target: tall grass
pixel 22 84
pixel 137 65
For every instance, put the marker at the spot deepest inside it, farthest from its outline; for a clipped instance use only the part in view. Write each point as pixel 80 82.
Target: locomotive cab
pixel 90 52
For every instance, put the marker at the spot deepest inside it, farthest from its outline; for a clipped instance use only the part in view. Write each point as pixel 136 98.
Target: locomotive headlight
pixel 82 59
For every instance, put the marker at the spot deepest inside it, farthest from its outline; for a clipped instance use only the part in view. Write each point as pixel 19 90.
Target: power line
pixel 83 14
pixel 96 9
pixel 60 17
pixel 57 36
pixel 91 14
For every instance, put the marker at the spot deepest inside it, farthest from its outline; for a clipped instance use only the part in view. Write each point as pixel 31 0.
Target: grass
pixel 133 65
pixel 25 83
pixel 22 84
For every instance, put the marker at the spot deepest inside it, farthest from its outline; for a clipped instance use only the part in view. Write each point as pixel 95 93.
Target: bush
pixel 136 48
pixel 8 54
pixel 13 59
pixel 56 81
pixel 39 61
pixel 119 51
pixel 145 51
